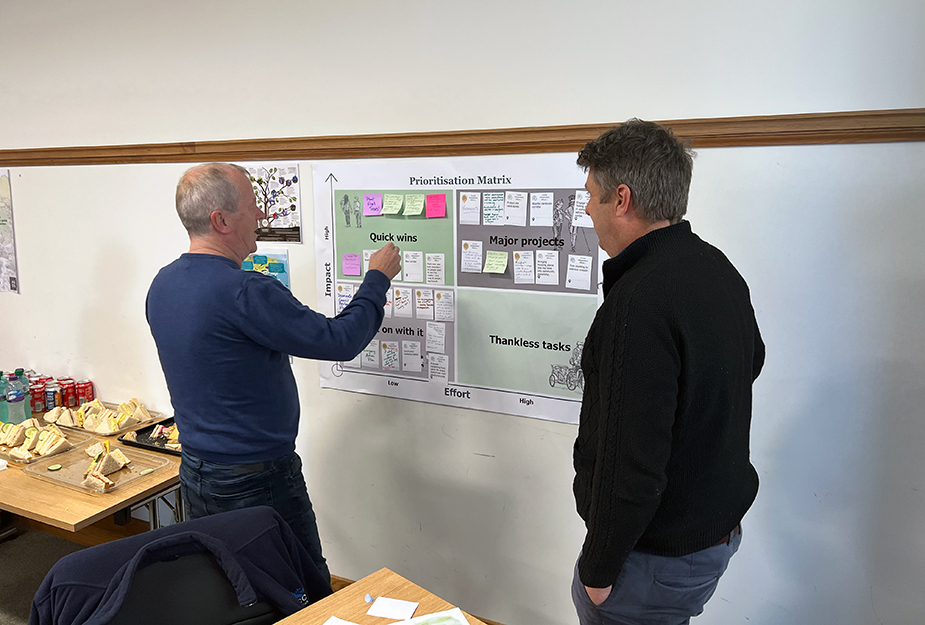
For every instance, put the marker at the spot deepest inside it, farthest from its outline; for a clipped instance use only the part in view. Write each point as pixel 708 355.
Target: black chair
pixel 244 567
pixel 188 590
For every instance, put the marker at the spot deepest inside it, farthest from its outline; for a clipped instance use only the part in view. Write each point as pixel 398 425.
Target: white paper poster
pixel 437 367
pixel 413 266
pixel 345 292
pixel 424 303
pixel 472 256
pixel 370 355
pixel 493 209
pixel 547 267
pixel 444 308
pixel 541 209
pixel 580 217
pixel 403 302
pixel 524 268
pixel 9 271
pixel 436 269
pixel 436 337
pixel 390 358
pixel 515 208
pixel 498 288
pixel 470 208
pixel 411 358
pixel 276 186
pixel 578 275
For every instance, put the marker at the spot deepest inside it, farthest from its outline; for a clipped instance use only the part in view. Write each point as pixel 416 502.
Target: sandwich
pixel 52 445
pixel 121 457
pixel 66 418
pixel 54 414
pixel 4 430
pixel 92 420
pixel 97 481
pixel 20 454
pixel 32 438
pixel 15 436
pixel 54 430
pixel 141 413
pixel 106 463
pixel 95 449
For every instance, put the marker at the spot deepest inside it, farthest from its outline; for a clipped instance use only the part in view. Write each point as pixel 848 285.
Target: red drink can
pixel 37 393
pixel 68 392
pixel 84 391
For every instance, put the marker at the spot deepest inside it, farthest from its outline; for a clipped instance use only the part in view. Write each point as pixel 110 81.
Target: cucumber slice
pixel 54 467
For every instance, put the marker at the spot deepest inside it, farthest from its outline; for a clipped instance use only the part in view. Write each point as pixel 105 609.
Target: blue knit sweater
pixel 223 337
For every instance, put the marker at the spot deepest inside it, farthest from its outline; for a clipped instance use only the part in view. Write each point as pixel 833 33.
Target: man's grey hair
pixel 206 188
pixel 647 158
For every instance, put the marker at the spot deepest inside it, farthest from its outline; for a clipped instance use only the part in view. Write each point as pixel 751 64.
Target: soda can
pixel 37 392
pixel 68 392
pixel 52 395
pixel 84 391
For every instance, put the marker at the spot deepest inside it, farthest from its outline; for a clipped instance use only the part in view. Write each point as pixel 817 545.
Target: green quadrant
pixel 409 233
pixel 530 317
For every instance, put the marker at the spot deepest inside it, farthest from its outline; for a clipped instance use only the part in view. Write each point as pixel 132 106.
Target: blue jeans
pixel 657 590
pixel 210 488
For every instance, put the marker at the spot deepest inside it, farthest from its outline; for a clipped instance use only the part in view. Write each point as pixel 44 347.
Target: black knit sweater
pixel 662 454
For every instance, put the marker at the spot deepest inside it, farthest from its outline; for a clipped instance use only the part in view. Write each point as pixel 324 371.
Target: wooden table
pixel 70 510
pixel 350 603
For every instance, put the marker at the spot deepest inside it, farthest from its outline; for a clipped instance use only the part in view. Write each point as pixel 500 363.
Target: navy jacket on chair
pixel 259 554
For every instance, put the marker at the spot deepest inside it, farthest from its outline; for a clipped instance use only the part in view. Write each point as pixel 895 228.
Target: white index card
pixel 384 607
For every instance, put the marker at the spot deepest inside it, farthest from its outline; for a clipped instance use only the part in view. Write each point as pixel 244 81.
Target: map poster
pixel 269 262
pixel 498 284
pixel 276 186
pixel 9 274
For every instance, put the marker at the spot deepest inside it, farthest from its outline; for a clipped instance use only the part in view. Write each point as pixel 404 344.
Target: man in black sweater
pixel 662 470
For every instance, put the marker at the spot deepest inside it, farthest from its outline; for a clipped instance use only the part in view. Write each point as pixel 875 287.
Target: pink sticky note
pixel 372 204
pixel 436 205
pixel 352 264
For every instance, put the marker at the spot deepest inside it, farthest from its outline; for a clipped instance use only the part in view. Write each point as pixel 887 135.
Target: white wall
pixel 132 71
pixel 475 506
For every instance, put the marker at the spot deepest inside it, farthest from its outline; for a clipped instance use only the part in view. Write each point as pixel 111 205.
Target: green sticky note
pixel 414 204
pixel 247 265
pixel 391 204
pixel 495 262
pixel 276 268
pixel 260 260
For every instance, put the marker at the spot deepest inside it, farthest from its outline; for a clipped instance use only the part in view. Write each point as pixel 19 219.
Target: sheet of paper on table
pixel 447 617
pixel 397 609
pixel 338 621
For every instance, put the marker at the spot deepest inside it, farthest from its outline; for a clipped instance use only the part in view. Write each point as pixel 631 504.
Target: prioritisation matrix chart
pixel 499 279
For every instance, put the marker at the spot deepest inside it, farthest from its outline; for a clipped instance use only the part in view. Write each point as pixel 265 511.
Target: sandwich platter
pixel 72 470
pixel 161 437
pixel 30 441
pixel 103 418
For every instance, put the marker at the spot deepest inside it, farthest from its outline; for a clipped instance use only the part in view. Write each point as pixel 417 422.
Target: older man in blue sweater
pixel 224 336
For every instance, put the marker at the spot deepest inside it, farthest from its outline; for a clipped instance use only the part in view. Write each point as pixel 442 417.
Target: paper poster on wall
pixel 9 272
pixel 276 186
pixel 270 262
pixel 499 283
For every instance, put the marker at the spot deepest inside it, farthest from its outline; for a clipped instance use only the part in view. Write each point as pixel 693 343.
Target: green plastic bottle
pixel 27 407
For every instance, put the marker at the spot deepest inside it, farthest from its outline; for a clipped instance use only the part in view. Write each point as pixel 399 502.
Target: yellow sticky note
pixel 391 204
pixel 495 262
pixel 414 204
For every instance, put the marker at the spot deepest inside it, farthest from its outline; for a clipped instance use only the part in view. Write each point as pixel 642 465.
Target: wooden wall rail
pixel 801 129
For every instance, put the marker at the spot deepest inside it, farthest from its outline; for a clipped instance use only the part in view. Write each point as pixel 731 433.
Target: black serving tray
pixel 154 444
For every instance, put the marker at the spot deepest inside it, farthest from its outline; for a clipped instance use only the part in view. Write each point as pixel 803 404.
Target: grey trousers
pixel 657 590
